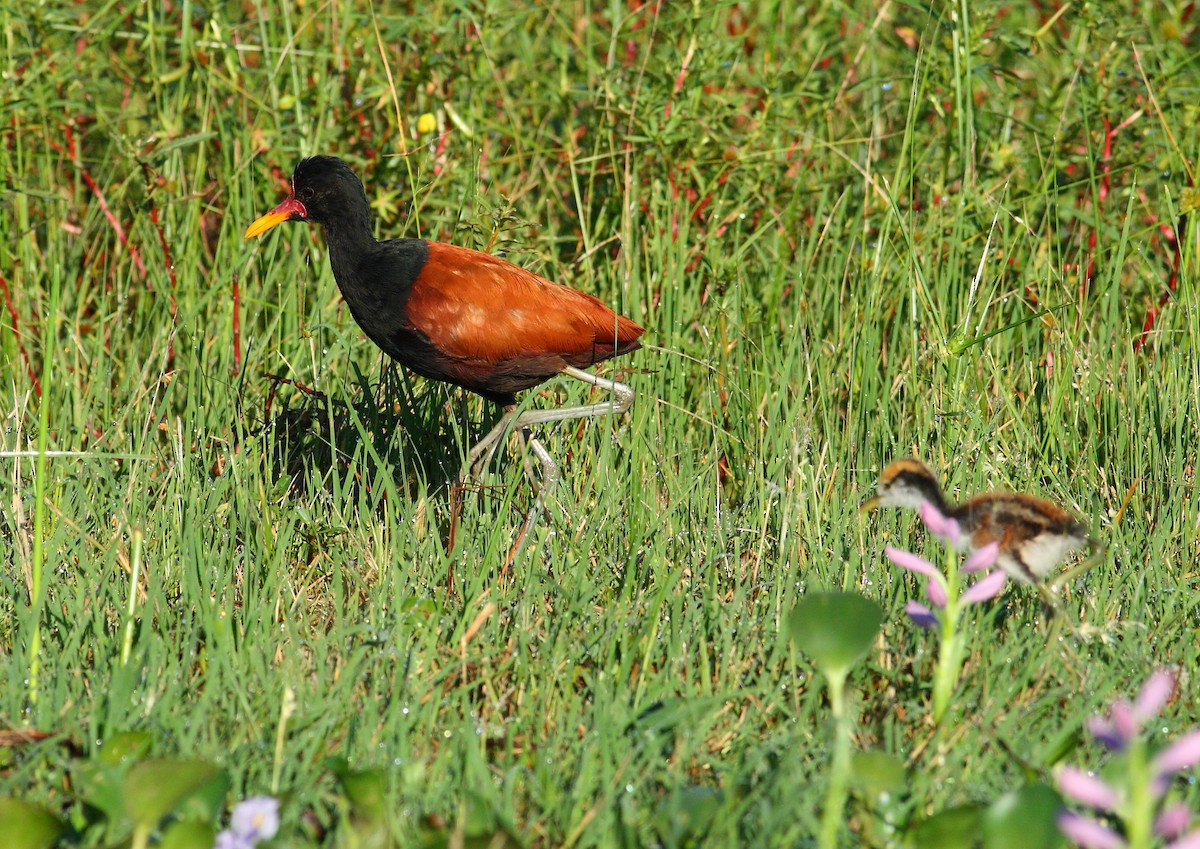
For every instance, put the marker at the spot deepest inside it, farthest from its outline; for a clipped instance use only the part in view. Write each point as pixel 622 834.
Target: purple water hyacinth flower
pixel 986 588
pixel 1088 833
pixel 936 590
pixel 912 562
pixel 1120 731
pixel 1153 696
pixel 1180 755
pixel 256 817
pixel 939 524
pixel 1085 788
pixel 982 558
pixel 921 615
pixel 252 821
pixel 226 839
pixel 1173 820
pixel 1191 841
pixel 1124 720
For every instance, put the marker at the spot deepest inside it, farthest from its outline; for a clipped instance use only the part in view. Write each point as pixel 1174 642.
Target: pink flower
pixel 1191 841
pixel 982 558
pixel 911 562
pixel 1180 755
pixel 1125 720
pixel 940 525
pixel 1152 698
pixel 1173 820
pixel 1085 788
pixel 986 588
pixel 1117 731
pixel 1088 833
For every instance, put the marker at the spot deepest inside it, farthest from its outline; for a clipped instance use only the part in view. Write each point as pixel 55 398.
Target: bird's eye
pixel 307 193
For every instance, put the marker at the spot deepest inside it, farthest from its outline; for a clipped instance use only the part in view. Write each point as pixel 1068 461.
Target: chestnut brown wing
pixel 476 307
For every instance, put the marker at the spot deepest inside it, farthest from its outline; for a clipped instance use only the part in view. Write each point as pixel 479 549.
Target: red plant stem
pixel 1105 158
pixel 73 152
pixel 1172 283
pixel 1110 133
pixel 276 382
pixel 12 311
pixel 678 87
pixel 439 154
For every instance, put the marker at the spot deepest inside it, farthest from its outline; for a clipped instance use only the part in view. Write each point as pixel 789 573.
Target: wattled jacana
pixel 460 316
pixel 1034 535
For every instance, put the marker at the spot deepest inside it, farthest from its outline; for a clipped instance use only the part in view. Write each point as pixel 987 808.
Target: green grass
pixel 798 221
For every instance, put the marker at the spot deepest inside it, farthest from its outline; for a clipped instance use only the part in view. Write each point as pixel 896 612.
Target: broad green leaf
pixel 124 748
pixel 875 773
pixel 188 834
pixel 99 786
pixel 688 812
pixel 153 789
pixel 1025 818
pixel 27 826
pixel 207 804
pixel 835 629
pixel 366 791
pixel 953 828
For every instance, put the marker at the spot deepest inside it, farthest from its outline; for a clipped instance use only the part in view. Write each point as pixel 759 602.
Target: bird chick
pixel 1034 535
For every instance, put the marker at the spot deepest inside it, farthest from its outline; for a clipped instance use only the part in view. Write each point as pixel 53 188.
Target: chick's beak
pixel 290 210
pixel 869 505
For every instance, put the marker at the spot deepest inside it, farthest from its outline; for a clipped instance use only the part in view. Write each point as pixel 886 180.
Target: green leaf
pixel 835 629
pixel 688 813
pixel 207 804
pixel 188 834
pixel 953 828
pixel 27 826
pixel 153 789
pixel 1026 818
pixel 366 790
pixel 124 748
pixel 100 787
pixel 182 142
pixel 877 773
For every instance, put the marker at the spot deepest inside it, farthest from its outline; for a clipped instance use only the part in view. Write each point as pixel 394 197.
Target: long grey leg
pixel 482 452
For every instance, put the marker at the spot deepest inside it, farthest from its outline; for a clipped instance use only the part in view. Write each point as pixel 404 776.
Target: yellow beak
pixel 870 504
pixel 290 210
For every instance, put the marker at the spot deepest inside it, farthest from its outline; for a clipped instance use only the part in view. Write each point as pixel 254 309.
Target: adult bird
pixel 461 316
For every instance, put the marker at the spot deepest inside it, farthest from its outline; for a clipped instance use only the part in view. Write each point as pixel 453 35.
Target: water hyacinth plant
pixel 1128 812
pixel 949 595
pixel 252 821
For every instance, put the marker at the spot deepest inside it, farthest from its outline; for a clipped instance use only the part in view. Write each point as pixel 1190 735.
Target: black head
pixel 325 191
pixel 328 188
